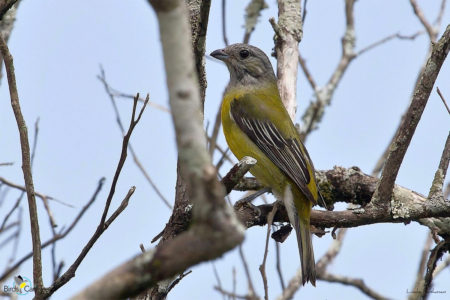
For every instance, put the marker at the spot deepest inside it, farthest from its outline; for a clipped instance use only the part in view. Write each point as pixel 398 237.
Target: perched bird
pixel 256 123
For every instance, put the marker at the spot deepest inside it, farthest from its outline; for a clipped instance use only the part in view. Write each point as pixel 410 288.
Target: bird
pixel 20 282
pixel 255 123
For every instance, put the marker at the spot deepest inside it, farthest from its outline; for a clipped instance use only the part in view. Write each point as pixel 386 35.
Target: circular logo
pixel 22 285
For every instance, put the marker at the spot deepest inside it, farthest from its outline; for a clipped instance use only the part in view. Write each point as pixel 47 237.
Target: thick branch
pixel 353 186
pixel 289 33
pixel 215 229
pixel 407 128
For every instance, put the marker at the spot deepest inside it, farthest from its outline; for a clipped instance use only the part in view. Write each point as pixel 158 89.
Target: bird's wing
pixel 283 149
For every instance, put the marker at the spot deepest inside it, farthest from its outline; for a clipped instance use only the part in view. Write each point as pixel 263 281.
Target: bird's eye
pixel 244 53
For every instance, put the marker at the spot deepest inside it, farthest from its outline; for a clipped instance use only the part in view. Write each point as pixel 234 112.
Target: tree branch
pixel 352 186
pixel 407 128
pixel 252 13
pixel 58 236
pixel 26 167
pixel 215 229
pixel 289 34
pixel 355 282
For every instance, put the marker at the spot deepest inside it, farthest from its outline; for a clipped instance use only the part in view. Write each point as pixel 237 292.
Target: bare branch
pixel 352 186
pixel 357 283
pixel 387 39
pixel 296 281
pixel 289 34
pixel 438 20
pixel 251 288
pixel 441 267
pixel 136 160
pixel 112 92
pixel 443 99
pixel 5 5
pixel 24 189
pixel 230 294
pixel 262 267
pixel 332 251
pixel 278 264
pixel 215 133
pixel 224 22
pixel 59 236
pixel 308 75
pixel 104 223
pixel 432 32
pixel 418 284
pixel 407 128
pixel 237 172
pixel 219 282
pixel 435 255
pixel 215 229
pixel 26 167
pixel 252 13
pixel 314 113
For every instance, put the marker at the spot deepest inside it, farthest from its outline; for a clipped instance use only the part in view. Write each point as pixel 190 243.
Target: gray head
pixel 247 64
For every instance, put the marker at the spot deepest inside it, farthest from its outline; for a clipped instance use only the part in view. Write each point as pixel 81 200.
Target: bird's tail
pixel 299 216
pixel 306 251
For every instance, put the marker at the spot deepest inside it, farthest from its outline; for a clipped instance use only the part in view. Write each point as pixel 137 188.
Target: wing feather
pixel 285 153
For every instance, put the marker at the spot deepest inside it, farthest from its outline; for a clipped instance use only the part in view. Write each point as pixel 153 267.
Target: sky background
pixel 58 47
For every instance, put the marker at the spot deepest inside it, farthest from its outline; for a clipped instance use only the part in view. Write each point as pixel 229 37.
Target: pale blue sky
pixel 58 46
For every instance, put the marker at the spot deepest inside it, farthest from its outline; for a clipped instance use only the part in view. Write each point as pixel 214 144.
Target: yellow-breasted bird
pixel 256 123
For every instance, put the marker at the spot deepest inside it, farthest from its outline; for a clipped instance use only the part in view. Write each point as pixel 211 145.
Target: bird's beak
pixel 220 54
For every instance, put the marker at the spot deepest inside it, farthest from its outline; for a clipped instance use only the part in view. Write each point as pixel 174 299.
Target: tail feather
pixel 306 252
pixel 301 226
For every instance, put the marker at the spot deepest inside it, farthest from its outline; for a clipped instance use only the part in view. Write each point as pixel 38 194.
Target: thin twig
pixel 355 282
pixel 33 152
pixel 230 294
pixel 332 252
pixel 306 71
pixel 104 223
pixel 251 288
pixel 262 267
pixel 59 236
pixel 116 93
pixel 305 2
pixel 443 99
pixel 102 78
pixel 26 167
pixel 432 33
pixel 278 263
pixel 215 133
pixel 435 255
pixel 224 22
pixel 387 39
pixel 176 281
pixel 23 188
pixel 219 282
pixel 234 282
pixel 438 20
pixel 441 267
pixel 418 284
pixel 314 113
pixel 6 164
pixel 17 237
